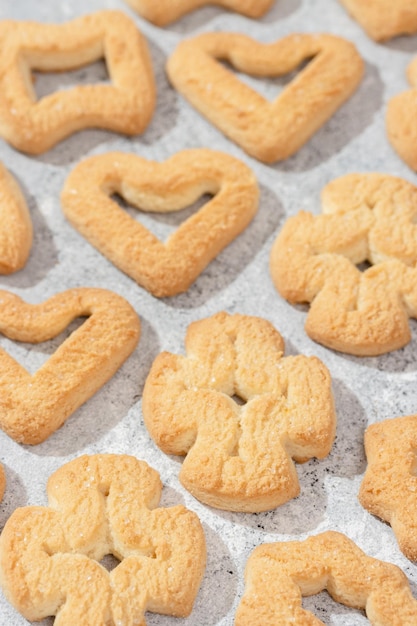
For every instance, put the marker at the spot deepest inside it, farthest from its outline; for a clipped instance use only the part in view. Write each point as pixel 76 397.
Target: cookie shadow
pixel 403 43
pixel 15 495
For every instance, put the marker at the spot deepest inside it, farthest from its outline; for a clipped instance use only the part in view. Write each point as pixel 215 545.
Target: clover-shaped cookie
pixel 367 218
pixel 15 225
pixel 269 131
pixel 163 268
pixel 389 487
pixel 165 11
pixel 101 505
pixel 239 456
pixel 278 575
pixel 401 119
pixel 125 106
pixel 34 406
pixel 384 19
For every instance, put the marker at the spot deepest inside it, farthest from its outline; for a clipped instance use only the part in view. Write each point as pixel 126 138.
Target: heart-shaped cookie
pixel 15 225
pixel 269 131
pixel 164 269
pixel 125 106
pixel 383 19
pixel 33 407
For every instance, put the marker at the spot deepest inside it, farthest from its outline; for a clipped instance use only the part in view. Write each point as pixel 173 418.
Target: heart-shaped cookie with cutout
pixel 384 19
pixel 269 131
pixel 34 406
pixel 164 269
pixel 124 106
pixel 15 225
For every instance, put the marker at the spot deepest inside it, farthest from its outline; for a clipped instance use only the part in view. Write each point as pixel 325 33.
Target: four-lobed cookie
pixel 401 119
pixel 100 505
pixel 384 19
pixel 163 12
pixel 278 575
pixel 239 457
pixel 170 267
pixel 33 407
pixel 125 106
pixel 367 218
pixel 389 487
pixel 269 131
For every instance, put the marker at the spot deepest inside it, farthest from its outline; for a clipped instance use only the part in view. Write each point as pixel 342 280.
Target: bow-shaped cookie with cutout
pixel 33 407
pixel 239 457
pixel 15 225
pixel 367 218
pixel 100 505
pixel 278 574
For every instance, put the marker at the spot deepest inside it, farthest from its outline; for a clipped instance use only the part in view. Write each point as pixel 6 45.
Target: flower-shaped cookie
pixel 126 105
pixel 15 225
pixel 239 457
pixel 383 19
pixel 34 406
pixel 389 487
pixel 269 131
pixel 278 574
pixel 367 218
pixel 100 505
pixel 401 119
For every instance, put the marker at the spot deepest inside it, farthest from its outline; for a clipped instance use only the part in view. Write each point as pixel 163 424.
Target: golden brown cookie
pixel 2 482
pixel 384 19
pixel 163 12
pixel 125 106
pixel 15 225
pixel 32 407
pixel 401 120
pixel 239 456
pixel 100 505
pixel 389 487
pixel 368 218
pixel 269 131
pixel 278 575
pixel 170 267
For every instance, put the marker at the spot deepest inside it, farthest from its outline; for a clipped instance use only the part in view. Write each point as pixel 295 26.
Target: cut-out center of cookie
pixel 46 83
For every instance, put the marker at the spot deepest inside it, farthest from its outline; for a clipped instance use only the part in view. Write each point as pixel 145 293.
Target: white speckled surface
pixel 366 390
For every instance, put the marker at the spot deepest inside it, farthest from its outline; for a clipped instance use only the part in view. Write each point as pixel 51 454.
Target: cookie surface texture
pixel 384 19
pixel 170 267
pixel 165 11
pixel 367 218
pixel 401 120
pixel 101 505
pixel 32 407
pixel 269 131
pixel 125 106
pixel 389 487
pixel 16 232
pixel 239 457
pixel 278 575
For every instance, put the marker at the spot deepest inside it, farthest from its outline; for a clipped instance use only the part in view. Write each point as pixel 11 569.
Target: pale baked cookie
pixel 367 218
pixel 2 482
pixel 384 19
pixel 34 406
pixel 401 120
pixel 239 457
pixel 163 268
pixel 278 575
pixel 163 12
pixel 389 487
pixel 269 131
pixel 15 225
pixel 100 505
pixel 125 106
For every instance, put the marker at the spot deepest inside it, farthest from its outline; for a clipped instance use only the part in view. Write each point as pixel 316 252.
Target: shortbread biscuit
pixel 384 19
pixel 125 106
pixel 401 120
pixel 16 231
pixel 269 131
pixel 278 575
pixel 33 407
pixel 169 268
pixel 2 482
pixel 100 505
pixel 239 458
pixel 367 218
pixel 389 487
pixel 163 12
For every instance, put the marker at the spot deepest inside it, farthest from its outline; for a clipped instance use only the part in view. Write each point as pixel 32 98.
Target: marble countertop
pixel 366 390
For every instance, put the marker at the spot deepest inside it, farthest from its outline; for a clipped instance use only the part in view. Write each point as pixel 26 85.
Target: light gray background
pixel 366 390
